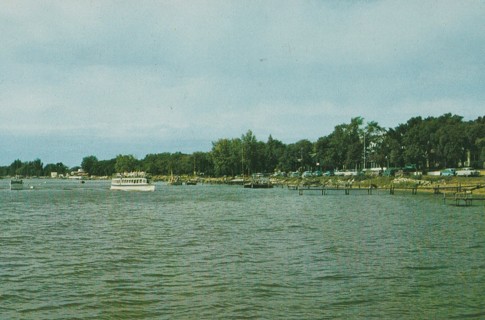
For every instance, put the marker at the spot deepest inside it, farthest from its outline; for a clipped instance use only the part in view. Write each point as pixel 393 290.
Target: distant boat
pixel 174 180
pixel 259 183
pixel 16 184
pixel 132 184
pixel 191 182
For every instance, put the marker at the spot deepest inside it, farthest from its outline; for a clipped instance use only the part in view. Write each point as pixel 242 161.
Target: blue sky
pixel 102 78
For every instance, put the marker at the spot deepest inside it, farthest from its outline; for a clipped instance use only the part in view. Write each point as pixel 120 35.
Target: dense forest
pixel 430 143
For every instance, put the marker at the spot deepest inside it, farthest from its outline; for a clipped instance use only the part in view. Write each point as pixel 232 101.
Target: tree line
pixel 429 143
pixel 32 168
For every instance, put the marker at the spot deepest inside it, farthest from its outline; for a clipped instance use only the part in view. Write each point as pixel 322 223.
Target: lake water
pixel 80 251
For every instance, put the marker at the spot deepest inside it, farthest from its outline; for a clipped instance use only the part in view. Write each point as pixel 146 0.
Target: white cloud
pixel 205 70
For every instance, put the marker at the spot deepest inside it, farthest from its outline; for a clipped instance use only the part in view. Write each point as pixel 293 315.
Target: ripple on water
pixel 71 251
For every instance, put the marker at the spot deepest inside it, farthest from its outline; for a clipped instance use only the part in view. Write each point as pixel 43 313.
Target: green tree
pixel 273 152
pixel 203 163
pixel 324 153
pixel 158 164
pixel 298 156
pixel 180 163
pixel 450 140
pixel 391 150
pixel 105 167
pixel 475 142
pixel 395 146
pixel 126 163
pixel 59 167
pixel 418 143
pixel 226 156
pixel 89 164
pixel 250 152
pixel 374 137
pixel 37 167
pixel 151 164
pixel 345 144
pixel 14 168
pixel 31 168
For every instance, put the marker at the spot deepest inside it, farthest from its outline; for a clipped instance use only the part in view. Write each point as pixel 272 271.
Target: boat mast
pixel 364 150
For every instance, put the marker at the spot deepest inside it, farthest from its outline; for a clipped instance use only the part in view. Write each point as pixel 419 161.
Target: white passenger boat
pixel 16 184
pixel 132 184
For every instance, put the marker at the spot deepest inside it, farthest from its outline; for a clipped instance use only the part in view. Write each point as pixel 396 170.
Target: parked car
pixel 390 172
pixel 317 173
pixel 295 174
pixel 306 174
pixel 467 172
pixel 328 173
pixel 448 172
pixel 351 173
pixel 279 174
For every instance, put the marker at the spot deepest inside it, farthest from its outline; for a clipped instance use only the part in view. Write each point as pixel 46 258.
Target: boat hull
pixel 258 185
pixel 149 187
pixel 175 183
pixel 16 185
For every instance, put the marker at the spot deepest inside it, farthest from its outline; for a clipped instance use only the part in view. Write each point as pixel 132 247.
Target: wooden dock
pixel 459 195
pixel 324 190
pixel 463 199
pixel 413 189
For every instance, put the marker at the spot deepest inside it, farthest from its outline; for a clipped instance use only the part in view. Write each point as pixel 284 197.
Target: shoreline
pixel 427 184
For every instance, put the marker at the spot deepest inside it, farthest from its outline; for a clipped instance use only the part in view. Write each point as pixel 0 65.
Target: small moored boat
pixel 174 180
pixel 260 183
pixel 16 184
pixel 191 182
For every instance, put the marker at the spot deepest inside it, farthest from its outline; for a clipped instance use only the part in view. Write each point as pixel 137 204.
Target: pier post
pixel 415 189
pixel 437 189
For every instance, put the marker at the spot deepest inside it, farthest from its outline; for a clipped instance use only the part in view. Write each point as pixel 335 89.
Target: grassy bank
pixel 423 183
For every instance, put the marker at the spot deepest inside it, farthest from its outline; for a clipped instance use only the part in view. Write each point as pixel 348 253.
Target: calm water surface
pixel 79 251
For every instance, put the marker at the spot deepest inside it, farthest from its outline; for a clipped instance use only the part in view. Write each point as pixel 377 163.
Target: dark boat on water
pixel 261 183
pixel 16 184
pixel 191 182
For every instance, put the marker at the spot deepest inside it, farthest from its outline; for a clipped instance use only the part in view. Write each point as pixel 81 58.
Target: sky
pixel 81 78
